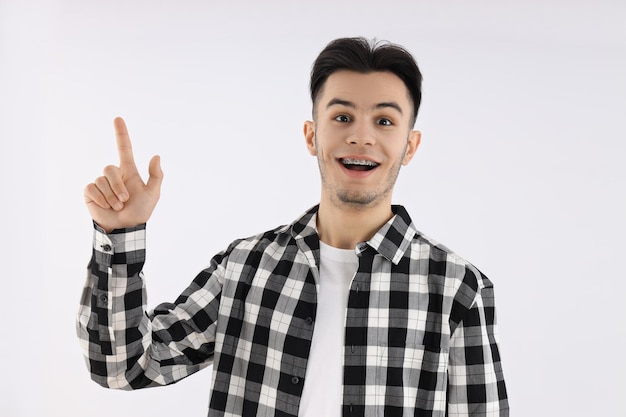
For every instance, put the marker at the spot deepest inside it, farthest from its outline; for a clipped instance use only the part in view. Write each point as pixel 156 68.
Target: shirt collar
pixel 305 225
pixel 394 238
pixel 391 241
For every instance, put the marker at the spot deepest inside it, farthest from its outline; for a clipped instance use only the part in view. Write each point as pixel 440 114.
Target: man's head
pixel 365 100
pixel 363 56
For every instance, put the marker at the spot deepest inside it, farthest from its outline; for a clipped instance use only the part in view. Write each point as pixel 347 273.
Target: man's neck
pixel 344 227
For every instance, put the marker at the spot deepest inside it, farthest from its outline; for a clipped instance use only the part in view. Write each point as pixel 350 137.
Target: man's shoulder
pixel 282 235
pixel 437 250
pixel 447 262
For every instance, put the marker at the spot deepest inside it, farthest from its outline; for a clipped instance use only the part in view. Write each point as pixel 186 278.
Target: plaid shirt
pixel 420 334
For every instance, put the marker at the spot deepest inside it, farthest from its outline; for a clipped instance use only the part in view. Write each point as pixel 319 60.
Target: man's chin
pixel 357 200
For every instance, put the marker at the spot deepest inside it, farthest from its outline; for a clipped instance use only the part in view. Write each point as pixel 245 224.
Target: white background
pixel 521 169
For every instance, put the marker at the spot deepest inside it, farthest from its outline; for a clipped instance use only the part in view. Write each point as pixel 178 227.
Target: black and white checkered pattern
pixel 420 325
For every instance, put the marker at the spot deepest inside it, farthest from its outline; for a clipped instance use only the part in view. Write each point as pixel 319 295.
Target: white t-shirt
pixel 323 392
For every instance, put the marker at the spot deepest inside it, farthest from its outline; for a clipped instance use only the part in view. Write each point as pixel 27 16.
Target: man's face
pixel 361 136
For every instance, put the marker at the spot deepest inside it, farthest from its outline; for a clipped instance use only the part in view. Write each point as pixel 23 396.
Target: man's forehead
pixel 375 88
pixel 346 77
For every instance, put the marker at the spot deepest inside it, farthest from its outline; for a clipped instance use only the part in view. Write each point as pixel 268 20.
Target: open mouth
pixel 358 164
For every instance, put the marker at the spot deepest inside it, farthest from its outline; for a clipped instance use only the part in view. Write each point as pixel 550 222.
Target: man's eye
pixel 384 122
pixel 342 118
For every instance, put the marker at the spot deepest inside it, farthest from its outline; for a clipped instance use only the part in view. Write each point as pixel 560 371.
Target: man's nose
pixel 362 134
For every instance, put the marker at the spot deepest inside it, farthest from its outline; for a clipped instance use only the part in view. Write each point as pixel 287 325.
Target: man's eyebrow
pixel 389 104
pixel 383 105
pixel 340 102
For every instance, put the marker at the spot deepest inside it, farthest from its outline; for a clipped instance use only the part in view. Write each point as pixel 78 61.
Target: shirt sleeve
pixel 475 380
pixel 127 347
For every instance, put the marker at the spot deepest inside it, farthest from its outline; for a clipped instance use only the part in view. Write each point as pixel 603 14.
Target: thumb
pixel 155 174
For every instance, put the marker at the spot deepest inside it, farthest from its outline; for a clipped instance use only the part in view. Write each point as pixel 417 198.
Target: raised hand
pixel 120 198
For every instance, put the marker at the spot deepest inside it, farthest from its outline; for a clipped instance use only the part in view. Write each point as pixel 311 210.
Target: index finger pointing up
pixel 124 147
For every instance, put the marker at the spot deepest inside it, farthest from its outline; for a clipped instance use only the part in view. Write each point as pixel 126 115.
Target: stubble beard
pixel 359 200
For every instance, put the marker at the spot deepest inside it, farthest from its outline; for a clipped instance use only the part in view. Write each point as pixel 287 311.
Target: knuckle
pixel 110 170
pixel 101 183
pixel 93 194
pixel 117 187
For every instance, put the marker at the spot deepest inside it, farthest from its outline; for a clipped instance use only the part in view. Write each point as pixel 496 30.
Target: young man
pixel 347 311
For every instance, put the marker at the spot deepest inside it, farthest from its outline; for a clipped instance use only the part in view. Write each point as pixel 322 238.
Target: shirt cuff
pixel 120 246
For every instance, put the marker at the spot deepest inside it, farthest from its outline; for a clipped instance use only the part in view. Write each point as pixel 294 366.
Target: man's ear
pixel 309 137
pixel 415 138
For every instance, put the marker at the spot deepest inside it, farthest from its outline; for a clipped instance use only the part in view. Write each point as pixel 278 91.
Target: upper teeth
pixel 350 161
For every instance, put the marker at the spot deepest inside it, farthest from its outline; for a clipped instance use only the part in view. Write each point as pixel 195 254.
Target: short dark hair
pixel 364 56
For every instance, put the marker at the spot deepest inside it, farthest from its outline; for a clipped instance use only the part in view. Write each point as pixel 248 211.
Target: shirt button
pixel 104 298
pixel 309 320
pixel 106 248
pixel 295 380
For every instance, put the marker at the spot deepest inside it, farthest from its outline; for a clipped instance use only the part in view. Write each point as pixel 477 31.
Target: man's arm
pixel 475 380
pixel 126 347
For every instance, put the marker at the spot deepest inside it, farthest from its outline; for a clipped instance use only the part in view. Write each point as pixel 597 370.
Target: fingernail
pixel 123 196
pixel 118 206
